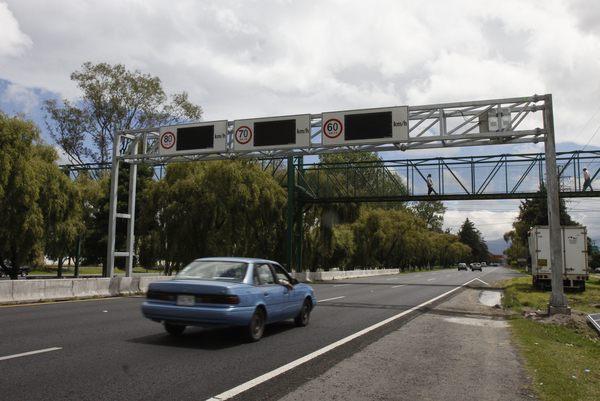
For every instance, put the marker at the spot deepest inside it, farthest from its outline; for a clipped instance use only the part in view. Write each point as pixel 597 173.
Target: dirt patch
pixel 577 321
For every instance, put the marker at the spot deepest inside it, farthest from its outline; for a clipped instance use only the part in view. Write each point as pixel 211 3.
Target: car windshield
pixel 214 270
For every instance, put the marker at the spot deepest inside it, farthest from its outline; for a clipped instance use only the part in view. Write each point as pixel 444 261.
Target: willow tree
pixel 217 208
pixel 40 208
pixel 390 238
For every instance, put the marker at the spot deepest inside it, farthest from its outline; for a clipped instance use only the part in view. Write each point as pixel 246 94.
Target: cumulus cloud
pixel 14 42
pixel 244 59
pixel 25 98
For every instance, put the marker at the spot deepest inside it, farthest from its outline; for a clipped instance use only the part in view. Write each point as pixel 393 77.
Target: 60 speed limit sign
pixel 333 128
pixel 167 140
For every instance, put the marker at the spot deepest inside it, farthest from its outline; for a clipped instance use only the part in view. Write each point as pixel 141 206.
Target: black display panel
pixel 368 126
pixel 273 133
pixel 191 138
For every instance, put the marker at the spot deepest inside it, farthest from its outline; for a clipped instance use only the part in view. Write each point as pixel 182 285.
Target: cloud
pixel 26 98
pixel 245 59
pixel 14 42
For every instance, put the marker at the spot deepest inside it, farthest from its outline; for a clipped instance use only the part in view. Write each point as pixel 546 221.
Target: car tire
pixel 23 273
pixel 174 329
pixel 304 316
pixel 256 328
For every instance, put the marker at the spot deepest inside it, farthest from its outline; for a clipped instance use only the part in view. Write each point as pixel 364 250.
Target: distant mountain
pixel 497 246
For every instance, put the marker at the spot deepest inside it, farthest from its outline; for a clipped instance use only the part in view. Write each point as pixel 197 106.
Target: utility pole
pixel 558 299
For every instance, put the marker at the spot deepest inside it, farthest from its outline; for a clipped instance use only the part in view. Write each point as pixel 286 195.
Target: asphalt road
pixel 106 350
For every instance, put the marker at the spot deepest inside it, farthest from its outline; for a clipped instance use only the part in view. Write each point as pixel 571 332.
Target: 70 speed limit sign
pixel 333 128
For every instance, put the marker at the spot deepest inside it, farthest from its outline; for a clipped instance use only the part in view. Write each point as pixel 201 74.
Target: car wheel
pixel 174 329
pixel 304 316
pixel 256 328
pixel 23 273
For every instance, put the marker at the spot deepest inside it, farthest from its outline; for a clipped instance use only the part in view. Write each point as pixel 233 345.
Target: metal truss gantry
pixel 472 123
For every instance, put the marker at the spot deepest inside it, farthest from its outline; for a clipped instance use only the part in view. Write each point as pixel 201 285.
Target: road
pixel 105 350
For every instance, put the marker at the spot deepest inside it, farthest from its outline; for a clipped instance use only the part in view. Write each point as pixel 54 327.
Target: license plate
pixel 186 300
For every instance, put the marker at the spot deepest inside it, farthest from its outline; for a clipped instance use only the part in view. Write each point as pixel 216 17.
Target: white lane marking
pixel 395 278
pixel 431 279
pixel 397 286
pixel 483 282
pixel 341 285
pixel 268 376
pixel 2 358
pixel 329 299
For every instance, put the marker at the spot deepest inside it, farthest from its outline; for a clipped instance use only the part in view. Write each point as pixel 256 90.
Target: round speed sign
pixel 332 128
pixel 243 135
pixel 167 140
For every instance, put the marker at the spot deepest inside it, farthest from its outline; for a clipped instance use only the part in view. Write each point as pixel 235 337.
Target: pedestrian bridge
pixel 505 176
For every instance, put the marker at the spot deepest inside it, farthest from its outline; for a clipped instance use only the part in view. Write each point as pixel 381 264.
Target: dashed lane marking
pixel 2 358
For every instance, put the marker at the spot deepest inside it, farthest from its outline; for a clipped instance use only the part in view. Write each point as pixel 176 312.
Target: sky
pixel 249 59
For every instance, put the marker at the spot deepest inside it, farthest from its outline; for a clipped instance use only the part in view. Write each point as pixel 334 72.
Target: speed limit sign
pixel 243 135
pixel 332 128
pixel 167 140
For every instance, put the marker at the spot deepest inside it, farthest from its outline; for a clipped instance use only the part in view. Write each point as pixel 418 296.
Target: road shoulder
pixel 461 349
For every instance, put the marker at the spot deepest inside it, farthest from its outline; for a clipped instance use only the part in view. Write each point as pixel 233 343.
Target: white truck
pixel 574 256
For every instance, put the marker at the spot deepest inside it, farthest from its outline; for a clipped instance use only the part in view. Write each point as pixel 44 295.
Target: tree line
pixel 197 209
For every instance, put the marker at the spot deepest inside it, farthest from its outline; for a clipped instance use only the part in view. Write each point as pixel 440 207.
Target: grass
pixel 563 360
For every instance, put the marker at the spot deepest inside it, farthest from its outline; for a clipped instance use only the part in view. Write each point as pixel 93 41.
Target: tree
pixel 390 238
pixel 472 237
pixel 432 213
pixel 217 208
pixel 532 212
pixel 39 206
pixel 113 99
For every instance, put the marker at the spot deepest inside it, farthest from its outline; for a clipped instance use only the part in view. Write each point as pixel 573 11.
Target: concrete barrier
pixel 58 289
pixel 103 287
pixel 85 287
pixel 6 292
pixel 28 290
pixel 114 286
pixel 23 291
pixel 342 274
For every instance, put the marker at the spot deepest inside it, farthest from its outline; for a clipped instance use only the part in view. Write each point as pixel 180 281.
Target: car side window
pixel 280 273
pixel 263 275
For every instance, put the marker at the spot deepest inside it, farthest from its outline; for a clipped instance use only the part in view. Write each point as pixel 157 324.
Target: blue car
pixel 225 292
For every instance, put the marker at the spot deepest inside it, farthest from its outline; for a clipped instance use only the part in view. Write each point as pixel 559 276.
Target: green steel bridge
pixel 505 176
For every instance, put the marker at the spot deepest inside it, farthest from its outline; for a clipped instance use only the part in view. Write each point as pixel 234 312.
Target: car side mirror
pixel 294 281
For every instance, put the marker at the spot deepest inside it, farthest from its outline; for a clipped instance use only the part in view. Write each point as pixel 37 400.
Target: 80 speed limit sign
pixel 333 128
pixel 167 140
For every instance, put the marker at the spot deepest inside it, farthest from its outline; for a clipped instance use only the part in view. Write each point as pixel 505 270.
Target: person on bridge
pixel 430 185
pixel 587 179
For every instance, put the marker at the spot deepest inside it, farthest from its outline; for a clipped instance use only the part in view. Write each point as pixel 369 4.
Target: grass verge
pixel 562 353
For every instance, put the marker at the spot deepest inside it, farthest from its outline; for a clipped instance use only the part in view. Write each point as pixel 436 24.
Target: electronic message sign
pixel 207 137
pixel 273 133
pixel 365 127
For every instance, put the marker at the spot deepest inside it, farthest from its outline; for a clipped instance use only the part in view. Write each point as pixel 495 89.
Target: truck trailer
pixel 574 257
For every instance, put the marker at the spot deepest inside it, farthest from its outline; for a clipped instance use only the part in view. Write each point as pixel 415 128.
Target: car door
pixel 272 292
pixel 292 298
